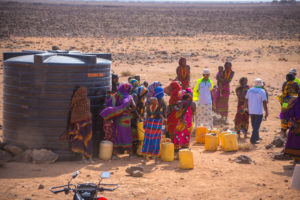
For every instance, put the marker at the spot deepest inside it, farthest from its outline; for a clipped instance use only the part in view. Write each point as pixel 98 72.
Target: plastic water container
pixel 211 142
pixel 105 150
pixel 141 131
pixel 163 140
pixel 296 178
pixel 167 152
pixel 186 159
pixel 200 134
pixel 230 142
pixel 217 132
pixel 221 137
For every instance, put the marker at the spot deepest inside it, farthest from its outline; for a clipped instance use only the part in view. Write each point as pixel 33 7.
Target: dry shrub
pixel 126 73
pixel 282 59
pixel 245 146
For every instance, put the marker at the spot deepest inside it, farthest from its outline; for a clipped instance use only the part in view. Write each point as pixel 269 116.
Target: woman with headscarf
pixel 183 73
pixel 80 129
pixel 119 108
pixel 223 92
pixel 292 147
pixel 185 109
pixel 290 90
pixel 137 115
pixel 156 111
pixel 241 119
pixel 174 90
pixel 134 83
pixel 151 89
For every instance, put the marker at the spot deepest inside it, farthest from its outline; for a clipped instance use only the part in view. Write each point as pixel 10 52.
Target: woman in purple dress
pixel 292 147
pixel 119 108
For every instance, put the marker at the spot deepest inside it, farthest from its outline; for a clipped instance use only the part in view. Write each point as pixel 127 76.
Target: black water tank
pixel 38 87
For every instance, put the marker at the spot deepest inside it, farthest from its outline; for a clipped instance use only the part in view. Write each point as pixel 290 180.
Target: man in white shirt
pixel 202 95
pixel 256 99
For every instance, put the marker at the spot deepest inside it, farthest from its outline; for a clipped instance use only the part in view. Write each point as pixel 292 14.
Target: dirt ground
pixel 261 41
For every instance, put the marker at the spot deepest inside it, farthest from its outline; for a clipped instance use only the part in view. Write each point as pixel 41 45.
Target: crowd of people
pixel 134 102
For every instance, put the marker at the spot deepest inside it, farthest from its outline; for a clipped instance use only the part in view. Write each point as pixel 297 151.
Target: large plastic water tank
pixel 38 88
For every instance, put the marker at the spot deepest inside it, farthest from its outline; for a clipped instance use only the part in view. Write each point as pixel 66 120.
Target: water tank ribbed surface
pixel 38 88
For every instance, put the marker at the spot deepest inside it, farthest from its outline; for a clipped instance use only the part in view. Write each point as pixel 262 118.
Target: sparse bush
pixel 126 73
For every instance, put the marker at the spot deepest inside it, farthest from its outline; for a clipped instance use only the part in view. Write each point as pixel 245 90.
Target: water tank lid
pixel 53 58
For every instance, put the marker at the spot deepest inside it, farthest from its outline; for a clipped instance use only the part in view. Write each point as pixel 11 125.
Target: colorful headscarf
pixel 175 96
pixel 159 92
pixel 188 93
pixel 134 82
pixel 141 91
pixel 151 88
pixel 125 89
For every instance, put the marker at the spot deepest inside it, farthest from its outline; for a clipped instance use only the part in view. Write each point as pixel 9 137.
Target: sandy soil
pixel 258 53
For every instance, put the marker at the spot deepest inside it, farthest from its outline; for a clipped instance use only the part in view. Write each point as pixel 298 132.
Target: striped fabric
pixel 153 130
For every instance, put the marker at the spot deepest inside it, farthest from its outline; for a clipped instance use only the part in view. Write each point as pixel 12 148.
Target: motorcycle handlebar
pixel 114 187
pixel 65 188
pixel 58 191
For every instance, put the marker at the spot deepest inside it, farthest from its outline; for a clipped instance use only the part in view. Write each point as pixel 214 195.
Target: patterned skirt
pixel 204 116
pixel 153 131
pixel 292 147
pixel 241 119
pixel 81 138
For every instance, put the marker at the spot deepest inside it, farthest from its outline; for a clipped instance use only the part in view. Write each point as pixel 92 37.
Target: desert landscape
pixel 261 41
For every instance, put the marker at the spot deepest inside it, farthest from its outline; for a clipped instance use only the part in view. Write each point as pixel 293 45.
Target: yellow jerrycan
pixel 186 159
pixel 167 152
pixel 163 140
pixel 200 134
pixel 217 132
pixel 141 131
pixel 230 142
pixel 211 142
pixel 105 150
pixel 221 137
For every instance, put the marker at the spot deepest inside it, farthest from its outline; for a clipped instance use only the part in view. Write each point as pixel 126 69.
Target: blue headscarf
pixel 158 92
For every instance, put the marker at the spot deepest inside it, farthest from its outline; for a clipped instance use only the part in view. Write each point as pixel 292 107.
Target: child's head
pixel 220 68
pixel 146 84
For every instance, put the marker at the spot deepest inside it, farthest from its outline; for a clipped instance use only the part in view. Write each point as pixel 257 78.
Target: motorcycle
pixel 86 191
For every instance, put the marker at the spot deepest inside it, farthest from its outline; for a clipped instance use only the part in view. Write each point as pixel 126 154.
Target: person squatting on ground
pixel 256 100
pixel 202 95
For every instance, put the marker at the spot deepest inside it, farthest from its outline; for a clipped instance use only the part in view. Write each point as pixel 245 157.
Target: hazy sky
pixel 188 0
